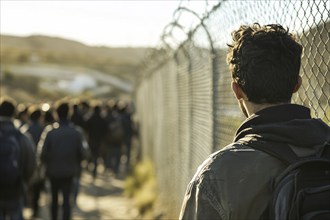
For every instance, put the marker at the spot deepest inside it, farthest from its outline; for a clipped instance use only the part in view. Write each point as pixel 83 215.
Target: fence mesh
pixel 185 106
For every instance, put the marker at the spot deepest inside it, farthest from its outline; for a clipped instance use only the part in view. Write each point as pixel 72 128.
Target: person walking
pixel 37 183
pixel 128 133
pixel 17 162
pixel 96 129
pixel 62 149
pixel 234 182
pixel 77 117
pixel 114 139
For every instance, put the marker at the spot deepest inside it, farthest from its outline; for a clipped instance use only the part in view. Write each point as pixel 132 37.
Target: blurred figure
pixel 22 115
pixel 128 131
pixel 77 116
pixel 49 117
pixel 35 125
pixel 105 146
pixel 79 120
pixel 35 128
pixel 17 162
pixel 114 139
pixel 96 130
pixel 85 109
pixel 63 148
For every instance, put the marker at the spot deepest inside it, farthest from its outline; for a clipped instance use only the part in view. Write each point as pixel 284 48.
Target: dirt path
pixel 101 198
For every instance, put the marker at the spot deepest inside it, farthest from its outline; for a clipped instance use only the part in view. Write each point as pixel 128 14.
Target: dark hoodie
pixel 235 182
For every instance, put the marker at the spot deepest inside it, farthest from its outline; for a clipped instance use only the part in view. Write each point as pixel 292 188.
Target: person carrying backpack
pixel 278 164
pixel 17 162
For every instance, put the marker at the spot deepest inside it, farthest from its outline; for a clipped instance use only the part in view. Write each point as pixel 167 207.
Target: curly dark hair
pixel 265 62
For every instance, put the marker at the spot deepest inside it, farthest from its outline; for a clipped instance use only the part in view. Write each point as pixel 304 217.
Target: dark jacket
pixel 27 155
pixel 96 127
pixel 62 149
pixel 235 182
pixel 35 129
pixel 26 164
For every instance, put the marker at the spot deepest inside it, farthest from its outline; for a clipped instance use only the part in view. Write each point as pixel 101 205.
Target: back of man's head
pixel 63 110
pixel 97 109
pixel 265 62
pixel 7 107
pixel 35 113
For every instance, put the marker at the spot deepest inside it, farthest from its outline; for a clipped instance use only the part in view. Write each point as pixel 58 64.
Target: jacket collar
pixel 278 113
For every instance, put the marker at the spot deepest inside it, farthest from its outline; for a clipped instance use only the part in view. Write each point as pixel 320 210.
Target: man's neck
pixel 252 108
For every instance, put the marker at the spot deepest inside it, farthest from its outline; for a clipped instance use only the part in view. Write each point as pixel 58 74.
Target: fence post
pixel 215 75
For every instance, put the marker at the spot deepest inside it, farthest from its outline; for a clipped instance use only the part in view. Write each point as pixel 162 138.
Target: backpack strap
pixel 325 153
pixel 284 152
pixel 279 150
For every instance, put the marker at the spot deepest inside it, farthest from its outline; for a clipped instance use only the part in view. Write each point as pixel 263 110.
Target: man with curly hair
pixel 234 183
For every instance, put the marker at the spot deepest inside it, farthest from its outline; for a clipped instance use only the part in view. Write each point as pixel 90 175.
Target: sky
pixel 108 23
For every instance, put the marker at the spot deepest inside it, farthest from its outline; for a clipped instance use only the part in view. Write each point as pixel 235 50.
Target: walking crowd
pixel 50 145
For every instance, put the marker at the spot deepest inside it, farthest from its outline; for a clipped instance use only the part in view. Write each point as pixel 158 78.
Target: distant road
pixel 58 72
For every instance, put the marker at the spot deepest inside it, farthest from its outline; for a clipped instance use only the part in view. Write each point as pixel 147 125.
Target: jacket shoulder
pixel 215 159
pixel 227 174
pixel 233 157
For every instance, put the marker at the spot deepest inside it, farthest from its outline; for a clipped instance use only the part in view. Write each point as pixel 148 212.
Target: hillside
pixel 121 62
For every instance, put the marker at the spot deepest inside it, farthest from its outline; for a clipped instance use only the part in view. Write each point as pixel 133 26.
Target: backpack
pixel 302 190
pixel 10 172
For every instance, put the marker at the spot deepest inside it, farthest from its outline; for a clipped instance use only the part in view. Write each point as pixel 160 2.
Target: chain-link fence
pixel 185 106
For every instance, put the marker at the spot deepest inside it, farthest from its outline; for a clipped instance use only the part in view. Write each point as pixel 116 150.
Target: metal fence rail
pixel 184 103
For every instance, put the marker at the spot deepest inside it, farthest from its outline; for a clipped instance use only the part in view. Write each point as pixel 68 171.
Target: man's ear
pixel 299 82
pixel 237 90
